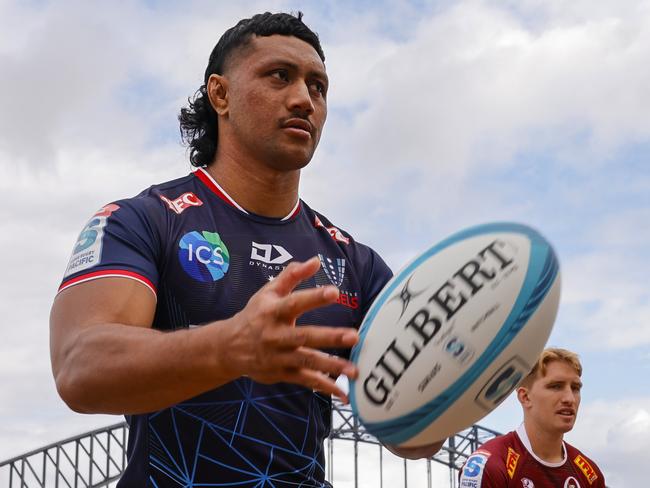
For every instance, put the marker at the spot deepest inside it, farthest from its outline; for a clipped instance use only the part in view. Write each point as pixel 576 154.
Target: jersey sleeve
pixel 118 241
pixel 377 274
pixel 483 470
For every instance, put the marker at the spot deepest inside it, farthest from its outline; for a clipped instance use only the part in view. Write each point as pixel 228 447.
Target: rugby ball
pixel 454 332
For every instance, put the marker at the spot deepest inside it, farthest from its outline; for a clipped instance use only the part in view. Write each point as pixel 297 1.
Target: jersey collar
pixel 523 436
pixel 210 182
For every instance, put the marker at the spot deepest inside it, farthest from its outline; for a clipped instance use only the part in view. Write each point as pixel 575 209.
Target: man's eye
pixel 281 74
pixel 318 87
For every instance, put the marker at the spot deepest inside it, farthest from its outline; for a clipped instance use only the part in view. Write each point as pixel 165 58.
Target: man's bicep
pixel 101 301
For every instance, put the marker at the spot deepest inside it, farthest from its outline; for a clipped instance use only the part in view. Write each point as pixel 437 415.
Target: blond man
pixel 535 455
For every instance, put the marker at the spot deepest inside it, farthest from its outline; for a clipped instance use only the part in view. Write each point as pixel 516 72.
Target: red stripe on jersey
pixel 294 212
pixel 208 181
pixel 117 273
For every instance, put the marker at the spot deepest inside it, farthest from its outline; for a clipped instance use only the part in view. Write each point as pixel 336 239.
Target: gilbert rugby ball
pixel 454 332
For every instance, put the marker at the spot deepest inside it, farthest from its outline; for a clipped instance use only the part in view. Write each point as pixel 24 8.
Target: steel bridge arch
pixel 97 458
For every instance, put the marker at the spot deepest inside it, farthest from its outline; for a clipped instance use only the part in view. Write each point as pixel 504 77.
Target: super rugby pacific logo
pixel 204 256
pixel 87 251
pixel 425 323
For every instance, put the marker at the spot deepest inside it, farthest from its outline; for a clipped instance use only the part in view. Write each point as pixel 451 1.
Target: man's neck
pixel 546 445
pixel 256 187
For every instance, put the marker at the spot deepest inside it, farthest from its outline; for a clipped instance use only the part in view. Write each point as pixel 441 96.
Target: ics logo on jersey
pixel 203 255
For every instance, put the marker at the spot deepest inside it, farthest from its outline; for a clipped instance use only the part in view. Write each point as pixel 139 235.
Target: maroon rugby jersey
pixel 509 461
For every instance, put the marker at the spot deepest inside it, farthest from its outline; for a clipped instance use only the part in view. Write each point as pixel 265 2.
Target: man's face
pixel 276 101
pixel 554 398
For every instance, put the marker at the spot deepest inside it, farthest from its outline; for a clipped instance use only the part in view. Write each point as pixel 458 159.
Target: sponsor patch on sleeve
pixel 472 473
pixel 585 467
pixel 87 251
pixel 511 462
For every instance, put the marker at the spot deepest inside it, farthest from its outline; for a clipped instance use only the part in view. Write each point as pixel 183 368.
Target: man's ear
pixel 523 396
pixel 217 89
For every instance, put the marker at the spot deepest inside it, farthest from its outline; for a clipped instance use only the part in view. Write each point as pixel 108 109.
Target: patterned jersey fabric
pixel 203 257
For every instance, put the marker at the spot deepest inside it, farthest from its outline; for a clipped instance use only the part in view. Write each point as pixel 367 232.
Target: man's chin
pixel 291 160
pixel 566 426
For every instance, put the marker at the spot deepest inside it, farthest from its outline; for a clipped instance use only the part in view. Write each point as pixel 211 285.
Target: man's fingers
pixel 294 274
pixel 299 302
pixel 311 359
pixel 313 336
pixel 318 382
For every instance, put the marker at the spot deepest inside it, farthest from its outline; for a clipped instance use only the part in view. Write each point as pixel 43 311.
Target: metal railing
pixel 92 459
pixel 98 458
pixel 345 426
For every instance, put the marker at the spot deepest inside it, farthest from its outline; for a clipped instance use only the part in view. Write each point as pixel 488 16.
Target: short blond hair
pixel 548 356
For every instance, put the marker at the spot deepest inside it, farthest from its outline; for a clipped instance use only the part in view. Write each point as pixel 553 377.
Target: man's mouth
pixel 566 412
pixel 298 124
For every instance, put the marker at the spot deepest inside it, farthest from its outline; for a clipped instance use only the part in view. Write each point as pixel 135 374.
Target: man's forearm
pixel 121 369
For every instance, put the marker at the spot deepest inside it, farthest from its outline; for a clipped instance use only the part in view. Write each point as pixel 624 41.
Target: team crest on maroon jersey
pixel 526 483
pixel 571 482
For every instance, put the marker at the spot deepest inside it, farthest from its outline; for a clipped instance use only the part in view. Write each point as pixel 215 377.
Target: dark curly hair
pixel 198 121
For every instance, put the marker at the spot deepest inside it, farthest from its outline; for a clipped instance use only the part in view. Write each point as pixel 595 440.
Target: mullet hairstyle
pixel 198 121
pixel 549 355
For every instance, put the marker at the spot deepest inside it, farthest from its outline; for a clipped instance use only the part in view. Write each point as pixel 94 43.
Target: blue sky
pixel 442 115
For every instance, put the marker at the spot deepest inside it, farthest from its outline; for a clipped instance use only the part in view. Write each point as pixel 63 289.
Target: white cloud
pixel 605 296
pixel 616 434
pixel 421 120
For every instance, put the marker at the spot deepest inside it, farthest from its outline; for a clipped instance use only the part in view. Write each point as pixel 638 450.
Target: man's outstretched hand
pixel 264 343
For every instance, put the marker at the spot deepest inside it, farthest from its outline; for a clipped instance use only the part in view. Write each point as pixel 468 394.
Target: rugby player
pixel 535 454
pixel 215 311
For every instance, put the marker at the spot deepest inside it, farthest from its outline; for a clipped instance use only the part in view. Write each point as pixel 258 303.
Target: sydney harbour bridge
pixel 97 459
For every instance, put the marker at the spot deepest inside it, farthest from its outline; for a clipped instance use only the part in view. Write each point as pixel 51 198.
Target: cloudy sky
pixel 443 114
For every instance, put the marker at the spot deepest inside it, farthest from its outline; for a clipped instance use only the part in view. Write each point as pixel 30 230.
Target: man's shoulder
pixel 586 465
pixel 173 195
pixel 500 443
pixel 324 224
pixel 167 189
pixel 489 462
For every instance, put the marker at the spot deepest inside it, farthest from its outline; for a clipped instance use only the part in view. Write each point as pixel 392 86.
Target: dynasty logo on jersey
pixel 87 250
pixel 204 256
pixel 269 253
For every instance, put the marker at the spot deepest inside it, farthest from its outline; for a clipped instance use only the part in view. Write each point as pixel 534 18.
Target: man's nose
pixel 568 396
pixel 300 99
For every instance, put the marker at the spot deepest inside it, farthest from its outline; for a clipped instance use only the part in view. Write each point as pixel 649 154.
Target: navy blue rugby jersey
pixel 204 256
